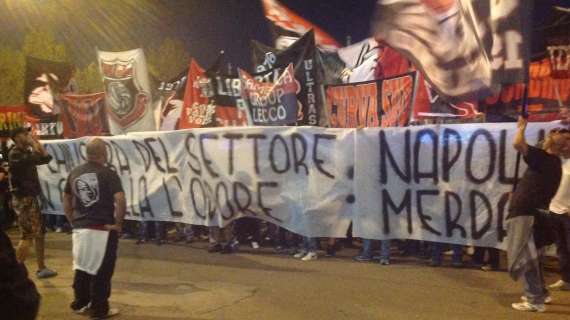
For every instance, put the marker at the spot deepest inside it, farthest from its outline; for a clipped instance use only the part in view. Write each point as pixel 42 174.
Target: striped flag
pixel 465 48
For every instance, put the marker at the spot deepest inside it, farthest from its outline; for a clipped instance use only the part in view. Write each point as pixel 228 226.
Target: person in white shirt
pixel 560 207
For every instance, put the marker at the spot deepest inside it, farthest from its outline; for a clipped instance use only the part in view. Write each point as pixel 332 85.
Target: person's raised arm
pixel 520 141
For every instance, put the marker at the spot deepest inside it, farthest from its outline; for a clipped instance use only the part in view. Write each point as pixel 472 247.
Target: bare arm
pixel 120 209
pixel 67 207
pixel 520 142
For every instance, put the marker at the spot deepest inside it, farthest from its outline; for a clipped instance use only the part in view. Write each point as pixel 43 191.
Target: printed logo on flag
pixel 125 99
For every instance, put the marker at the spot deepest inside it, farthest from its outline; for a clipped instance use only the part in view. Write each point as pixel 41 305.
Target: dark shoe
pixel 435 264
pixel 457 264
pixel 330 252
pixel 215 248
pixel 110 313
pixel 227 250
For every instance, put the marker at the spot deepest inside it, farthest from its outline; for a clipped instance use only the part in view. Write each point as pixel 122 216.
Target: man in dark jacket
pixel 23 159
pixel 19 298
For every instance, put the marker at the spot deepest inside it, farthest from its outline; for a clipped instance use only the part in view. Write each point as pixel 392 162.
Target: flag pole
pixel 524 114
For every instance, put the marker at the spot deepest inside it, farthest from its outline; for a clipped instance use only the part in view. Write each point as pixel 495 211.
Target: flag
pixel 197 111
pixel 128 96
pixel 271 104
pixel 289 26
pixel 12 117
pixel 270 63
pixel 384 102
pixel 548 97
pixel 464 48
pixel 44 80
pixel 84 115
pixel 428 103
pixel 171 100
pixel 231 107
pixel 558 50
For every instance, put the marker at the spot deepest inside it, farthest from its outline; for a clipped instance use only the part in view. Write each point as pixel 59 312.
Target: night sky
pixel 209 26
pixel 205 26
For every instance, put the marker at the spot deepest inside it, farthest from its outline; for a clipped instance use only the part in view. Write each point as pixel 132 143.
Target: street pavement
pixel 179 281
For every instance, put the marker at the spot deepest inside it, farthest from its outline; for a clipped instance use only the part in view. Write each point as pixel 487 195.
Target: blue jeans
pixel 437 252
pixel 533 283
pixel 384 248
pixel 144 230
pixel 310 244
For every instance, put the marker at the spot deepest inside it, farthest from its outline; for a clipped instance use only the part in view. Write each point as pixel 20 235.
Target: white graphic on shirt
pixel 86 188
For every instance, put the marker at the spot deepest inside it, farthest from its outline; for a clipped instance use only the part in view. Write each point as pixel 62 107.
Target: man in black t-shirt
pixel 23 158
pixel 94 203
pixel 525 232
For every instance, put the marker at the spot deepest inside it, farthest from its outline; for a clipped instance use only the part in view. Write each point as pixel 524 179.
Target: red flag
pixel 196 111
pixel 84 115
pixel 288 20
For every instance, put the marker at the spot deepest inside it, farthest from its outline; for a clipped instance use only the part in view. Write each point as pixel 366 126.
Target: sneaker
pixel 560 285
pixel 45 273
pixel 330 252
pixel 111 313
pixel 362 258
pixel 527 306
pixel 489 267
pixel 310 256
pixel 300 254
pixel 80 309
pixel 457 264
pixel 59 230
pixel 384 262
pixel 255 245
pixel 547 300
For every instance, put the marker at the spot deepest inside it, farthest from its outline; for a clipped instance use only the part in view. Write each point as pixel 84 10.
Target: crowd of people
pixel 94 207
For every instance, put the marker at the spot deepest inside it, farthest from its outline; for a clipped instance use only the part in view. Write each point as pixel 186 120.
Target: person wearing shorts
pixel 25 187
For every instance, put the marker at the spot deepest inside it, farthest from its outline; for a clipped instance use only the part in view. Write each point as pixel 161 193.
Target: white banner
pixel 294 177
pixel 445 183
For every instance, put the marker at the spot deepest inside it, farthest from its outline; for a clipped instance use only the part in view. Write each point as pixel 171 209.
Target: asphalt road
pixel 186 282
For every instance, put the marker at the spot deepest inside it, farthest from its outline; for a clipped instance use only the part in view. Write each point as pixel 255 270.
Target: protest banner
pixel 444 183
pixel 294 177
